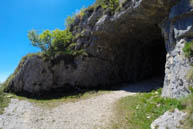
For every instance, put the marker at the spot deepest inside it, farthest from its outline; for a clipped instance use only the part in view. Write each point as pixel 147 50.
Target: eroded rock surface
pixel 177 31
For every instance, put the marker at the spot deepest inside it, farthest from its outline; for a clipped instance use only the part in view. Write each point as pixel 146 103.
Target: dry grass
pixel 51 103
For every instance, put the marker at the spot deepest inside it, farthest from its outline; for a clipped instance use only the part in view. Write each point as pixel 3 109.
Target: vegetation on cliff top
pixel 54 42
pixel 111 4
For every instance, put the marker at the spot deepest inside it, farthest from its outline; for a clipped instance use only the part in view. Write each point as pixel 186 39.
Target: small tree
pixel 43 41
pixel 51 42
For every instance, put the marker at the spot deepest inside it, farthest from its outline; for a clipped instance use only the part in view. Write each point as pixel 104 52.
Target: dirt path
pixel 84 114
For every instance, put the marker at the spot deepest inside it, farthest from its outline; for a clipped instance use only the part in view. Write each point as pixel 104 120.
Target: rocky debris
pixel 177 30
pixel 119 44
pixel 170 120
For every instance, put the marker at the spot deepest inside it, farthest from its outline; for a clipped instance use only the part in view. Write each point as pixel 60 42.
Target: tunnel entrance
pixel 136 52
pixel 147 67
pixel 139 57
pixel 156 53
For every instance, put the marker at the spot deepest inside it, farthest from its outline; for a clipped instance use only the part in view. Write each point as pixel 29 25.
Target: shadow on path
pixel 144 86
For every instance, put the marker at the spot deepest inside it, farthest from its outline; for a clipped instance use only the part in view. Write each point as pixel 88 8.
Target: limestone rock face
pixel 170 120
pixel 177 30
pixel 119 44
pixel 176 69
pixel 33 76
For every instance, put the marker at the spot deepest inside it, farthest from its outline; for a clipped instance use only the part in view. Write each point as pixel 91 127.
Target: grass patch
pixel 51 103
pixel 138 112
pixel 4 100
pixel 188 104
pixel 188 49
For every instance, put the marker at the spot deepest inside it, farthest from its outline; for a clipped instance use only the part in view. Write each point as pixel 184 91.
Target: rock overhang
pixel 117 44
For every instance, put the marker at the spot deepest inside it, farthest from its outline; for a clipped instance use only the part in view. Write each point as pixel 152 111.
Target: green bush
pixel 188 49
pixel 81 13
pixel 54 42
pixel 112 4
pixel 69 21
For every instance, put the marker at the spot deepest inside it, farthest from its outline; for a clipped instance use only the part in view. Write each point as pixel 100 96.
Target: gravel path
pixel 84 114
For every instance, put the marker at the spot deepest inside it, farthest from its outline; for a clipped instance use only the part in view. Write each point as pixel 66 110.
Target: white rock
pixel 170 120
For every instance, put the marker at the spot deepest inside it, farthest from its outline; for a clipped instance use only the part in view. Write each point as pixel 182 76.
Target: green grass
pixel 138 112
pixel 188 104
pixel 110 4
pixel 51 103
pixel 188 49
pixel 4 100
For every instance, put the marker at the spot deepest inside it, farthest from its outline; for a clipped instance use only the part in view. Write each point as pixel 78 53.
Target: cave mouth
pixel 157 54
pixel 149 66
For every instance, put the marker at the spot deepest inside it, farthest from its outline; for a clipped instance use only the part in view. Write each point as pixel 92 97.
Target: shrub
pixel 81 13
pixel 43 41
pixel 55 42
pixel 51 42
pixel 69 21
pixel 112 4
pixel 188 49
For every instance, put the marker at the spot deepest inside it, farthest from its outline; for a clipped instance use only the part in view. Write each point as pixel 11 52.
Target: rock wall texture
pixel 123 46
pixel 177 30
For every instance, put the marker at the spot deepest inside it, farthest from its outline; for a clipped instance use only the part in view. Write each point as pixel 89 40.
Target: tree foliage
pixel 112 4
pixel 69 21
pixel 51 41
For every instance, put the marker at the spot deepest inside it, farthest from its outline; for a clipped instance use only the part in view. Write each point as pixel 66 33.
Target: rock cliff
pixel 123 45
pixel 177 30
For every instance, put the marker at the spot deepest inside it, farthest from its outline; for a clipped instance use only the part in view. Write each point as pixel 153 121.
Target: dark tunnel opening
pixel 150 67
pixel 157 55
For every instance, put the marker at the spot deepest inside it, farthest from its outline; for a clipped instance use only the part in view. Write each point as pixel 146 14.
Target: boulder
pixel 169 120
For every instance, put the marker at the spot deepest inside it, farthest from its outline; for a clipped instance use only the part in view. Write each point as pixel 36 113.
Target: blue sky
pixel 17 17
